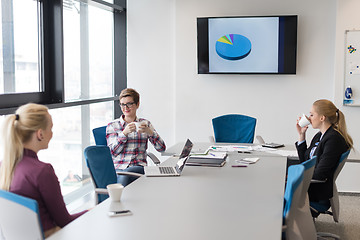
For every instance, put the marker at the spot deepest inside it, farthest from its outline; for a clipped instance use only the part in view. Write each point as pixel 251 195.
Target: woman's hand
pixel 301 130
pixel 131 127
pixel 144 128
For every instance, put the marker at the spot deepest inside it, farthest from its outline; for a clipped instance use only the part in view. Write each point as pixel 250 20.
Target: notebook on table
pixel 162 171
pixel 273 145
pixel 212 159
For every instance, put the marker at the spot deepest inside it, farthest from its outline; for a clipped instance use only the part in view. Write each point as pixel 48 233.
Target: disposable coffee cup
pixel 115 191
pixel 304 121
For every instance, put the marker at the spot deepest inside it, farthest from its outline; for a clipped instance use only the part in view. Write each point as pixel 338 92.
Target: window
pixel 19 47
pixel 70 56
pixel 88 52
pixel 70 137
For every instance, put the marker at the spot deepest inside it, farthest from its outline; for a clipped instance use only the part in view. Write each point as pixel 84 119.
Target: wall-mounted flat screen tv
pixel 247 44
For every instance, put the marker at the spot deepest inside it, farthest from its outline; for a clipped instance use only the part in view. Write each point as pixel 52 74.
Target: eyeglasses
pixel 128 105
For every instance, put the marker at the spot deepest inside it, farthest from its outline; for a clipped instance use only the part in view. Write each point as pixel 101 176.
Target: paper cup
pixel 115 191
pixel 304 121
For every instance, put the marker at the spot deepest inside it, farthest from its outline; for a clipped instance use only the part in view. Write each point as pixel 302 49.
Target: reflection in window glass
pixel 88 52
pixel 19 65
pixel 71 134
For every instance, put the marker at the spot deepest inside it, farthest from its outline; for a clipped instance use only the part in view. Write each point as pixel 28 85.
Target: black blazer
pixel 328 153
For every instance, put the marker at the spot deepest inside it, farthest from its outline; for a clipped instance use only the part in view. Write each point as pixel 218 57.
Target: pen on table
pixel 240 165
pixel 212 154
pixel 244 152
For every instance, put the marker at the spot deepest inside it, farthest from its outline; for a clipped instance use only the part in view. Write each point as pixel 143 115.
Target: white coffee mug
pixel 115 191
pixel 304 121
pixel 139 123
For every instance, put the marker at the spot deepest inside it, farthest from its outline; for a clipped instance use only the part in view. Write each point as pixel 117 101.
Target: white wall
pixel 348 18
pixel 162 62
pixel 162 65
pixel 275 101
pixel 151 61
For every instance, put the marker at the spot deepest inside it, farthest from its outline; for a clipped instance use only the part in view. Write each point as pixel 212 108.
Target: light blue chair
pixel 302 212
pixel 102 171
pixel 234 128
pixel 19 217
pixel 293 228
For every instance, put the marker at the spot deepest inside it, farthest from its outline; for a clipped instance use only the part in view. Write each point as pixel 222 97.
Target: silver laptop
pixel 162 171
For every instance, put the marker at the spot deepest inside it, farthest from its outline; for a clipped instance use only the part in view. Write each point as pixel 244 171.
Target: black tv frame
pixel 287 44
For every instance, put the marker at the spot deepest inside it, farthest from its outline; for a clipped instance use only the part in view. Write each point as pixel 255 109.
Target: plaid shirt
pixel 130 150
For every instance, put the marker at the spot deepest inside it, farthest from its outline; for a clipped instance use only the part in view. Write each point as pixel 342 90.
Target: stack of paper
pixel 212 159
pixel 211 155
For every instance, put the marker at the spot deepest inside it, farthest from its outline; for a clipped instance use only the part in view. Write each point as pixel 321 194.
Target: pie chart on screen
pixel 233 47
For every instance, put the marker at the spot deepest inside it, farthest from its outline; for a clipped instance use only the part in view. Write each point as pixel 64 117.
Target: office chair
pixel 100 135
pixel 293 229
pixel 334 201
pixel 19 218
pixel 302 212
pixel 102 171
pixel 100 139
pixel 234 128
pixel 322 208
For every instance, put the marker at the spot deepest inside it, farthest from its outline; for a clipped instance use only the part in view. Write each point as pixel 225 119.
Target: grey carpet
pixel 348 227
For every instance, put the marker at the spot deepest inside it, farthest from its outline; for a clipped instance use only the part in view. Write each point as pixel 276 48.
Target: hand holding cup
pixel 304 121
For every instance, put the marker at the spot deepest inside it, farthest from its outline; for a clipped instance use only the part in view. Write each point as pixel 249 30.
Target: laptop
pixel 162 171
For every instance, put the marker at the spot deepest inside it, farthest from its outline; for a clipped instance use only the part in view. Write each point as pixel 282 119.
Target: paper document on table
pixel 260 148
pixel 248 160
pixel 230 148
pixel 286 153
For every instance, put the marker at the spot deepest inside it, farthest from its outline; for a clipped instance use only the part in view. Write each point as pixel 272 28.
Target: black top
pixel 328 152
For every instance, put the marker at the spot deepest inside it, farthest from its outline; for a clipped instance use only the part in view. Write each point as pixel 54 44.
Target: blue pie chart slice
pixel 233 47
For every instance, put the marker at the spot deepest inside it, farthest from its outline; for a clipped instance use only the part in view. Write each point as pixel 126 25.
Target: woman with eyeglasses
pixel 127 137
pixel 328 144
pixel 25 134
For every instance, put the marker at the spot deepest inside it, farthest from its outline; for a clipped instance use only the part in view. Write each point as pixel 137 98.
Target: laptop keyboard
pixel 166 170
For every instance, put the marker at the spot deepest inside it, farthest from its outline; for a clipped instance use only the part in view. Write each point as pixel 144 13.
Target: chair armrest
pixel 259 139
pixel 317 181
pixel 153 158
pixel 313 209
pixel 130 174
pixel 101 191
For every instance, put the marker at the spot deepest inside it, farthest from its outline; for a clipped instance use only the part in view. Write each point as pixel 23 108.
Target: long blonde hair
pixel 335 117
pixel 18 129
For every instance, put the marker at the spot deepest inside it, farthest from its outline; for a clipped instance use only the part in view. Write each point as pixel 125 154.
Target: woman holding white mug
pixel 328 144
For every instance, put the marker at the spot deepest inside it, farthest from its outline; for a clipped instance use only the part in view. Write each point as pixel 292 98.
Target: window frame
pixel 52 59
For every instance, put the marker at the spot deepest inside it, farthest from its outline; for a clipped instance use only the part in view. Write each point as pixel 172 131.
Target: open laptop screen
pixel 184 154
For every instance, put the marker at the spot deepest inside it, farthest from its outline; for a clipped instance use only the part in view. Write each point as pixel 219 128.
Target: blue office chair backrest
pixel 101 167
pixel 309 167
pixel 294 179
pixel 100 135
pixel 19 217
pixel 234 128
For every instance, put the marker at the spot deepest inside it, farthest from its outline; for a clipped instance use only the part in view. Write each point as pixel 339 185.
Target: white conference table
pixel 204 203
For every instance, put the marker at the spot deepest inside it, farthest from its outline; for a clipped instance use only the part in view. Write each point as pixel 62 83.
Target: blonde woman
pixel 25 134
pixel 328 144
